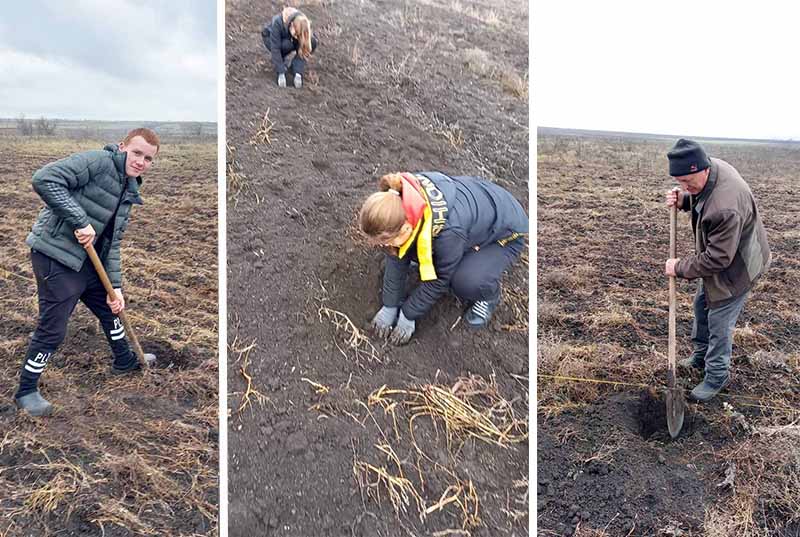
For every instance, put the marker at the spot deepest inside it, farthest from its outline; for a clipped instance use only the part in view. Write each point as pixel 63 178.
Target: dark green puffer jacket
pixel 79 190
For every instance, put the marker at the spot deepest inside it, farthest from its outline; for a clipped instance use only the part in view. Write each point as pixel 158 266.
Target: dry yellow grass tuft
pixel 749 338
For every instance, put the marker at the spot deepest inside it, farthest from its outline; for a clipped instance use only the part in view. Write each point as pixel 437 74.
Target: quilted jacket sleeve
pixel 55 182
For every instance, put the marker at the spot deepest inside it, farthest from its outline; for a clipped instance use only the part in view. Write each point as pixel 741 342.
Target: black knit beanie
pixel 687 157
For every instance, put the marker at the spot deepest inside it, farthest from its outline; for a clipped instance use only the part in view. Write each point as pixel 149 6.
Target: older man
pixel 88 198
pixel 731 253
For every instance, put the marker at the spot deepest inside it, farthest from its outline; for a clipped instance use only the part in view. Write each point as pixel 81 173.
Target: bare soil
pixel 126 456
pixel 606 463
pixel 316 448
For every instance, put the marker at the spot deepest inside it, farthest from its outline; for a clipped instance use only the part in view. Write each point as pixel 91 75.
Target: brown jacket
pixel 731 250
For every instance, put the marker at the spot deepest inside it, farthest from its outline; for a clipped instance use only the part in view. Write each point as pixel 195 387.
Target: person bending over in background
pixel 462 231
pixel 290 42
pixel 88 198
pixel 731 253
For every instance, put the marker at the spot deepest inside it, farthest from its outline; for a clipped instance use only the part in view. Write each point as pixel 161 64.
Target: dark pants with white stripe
pixel 59 289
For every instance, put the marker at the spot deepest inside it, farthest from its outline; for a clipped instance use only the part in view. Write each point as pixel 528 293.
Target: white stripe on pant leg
pixel 33 369
pixel 118 336
pixel 116 330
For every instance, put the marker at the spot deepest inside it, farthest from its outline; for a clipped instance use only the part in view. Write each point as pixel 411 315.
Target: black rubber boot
pixel 690 363
pixel 709 388
pixel 34 404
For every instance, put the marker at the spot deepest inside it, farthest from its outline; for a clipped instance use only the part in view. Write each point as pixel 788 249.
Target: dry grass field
pixel 606 465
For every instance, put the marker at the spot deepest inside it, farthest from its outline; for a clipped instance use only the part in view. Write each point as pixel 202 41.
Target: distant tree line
pixel 40 127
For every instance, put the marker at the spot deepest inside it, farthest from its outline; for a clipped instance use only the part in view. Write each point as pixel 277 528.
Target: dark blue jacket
pixel 278 33
pixel 479 213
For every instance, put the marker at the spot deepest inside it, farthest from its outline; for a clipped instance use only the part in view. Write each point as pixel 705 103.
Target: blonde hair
pixel 382 215
pixel 302 26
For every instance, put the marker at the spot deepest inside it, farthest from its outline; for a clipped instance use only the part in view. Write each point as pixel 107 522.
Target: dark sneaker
pixel 479 314
pixel 34 404
pixel 691 363
pixel 149 358
pixel 708 389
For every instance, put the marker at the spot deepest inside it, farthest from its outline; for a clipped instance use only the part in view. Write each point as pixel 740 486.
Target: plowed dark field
pixel 323 434
pixel 606 464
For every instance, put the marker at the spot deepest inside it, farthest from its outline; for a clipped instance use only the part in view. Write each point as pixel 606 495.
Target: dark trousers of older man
pixel 298 64
pixel 59 289
pixel 712 335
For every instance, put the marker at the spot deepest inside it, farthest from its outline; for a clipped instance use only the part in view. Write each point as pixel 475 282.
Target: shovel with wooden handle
pixel 101 271
pixel 676 404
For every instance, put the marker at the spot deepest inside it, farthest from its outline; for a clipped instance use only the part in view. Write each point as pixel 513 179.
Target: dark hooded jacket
pixel 280 32
pixel 479 213
pixel 82 189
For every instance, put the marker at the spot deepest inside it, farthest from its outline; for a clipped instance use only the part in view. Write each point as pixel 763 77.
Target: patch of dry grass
pixel 485 65
pixel 765 497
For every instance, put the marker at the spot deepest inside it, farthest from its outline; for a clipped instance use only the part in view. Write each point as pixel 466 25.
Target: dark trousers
pixel 712 334
pixel 287 47
pixel 477 276
pixel 59 290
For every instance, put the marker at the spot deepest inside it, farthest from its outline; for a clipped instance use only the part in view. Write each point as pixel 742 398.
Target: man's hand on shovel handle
pixel 669 269
pixel 116 305
pixel 85 235
pixel 675 197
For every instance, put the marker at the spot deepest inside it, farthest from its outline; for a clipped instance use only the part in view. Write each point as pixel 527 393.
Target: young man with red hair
pixel 88 198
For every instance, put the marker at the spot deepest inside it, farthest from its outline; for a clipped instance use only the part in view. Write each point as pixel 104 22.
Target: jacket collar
pixel 701 198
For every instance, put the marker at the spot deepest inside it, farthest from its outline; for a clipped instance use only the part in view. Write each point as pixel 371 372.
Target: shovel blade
pixel 676 406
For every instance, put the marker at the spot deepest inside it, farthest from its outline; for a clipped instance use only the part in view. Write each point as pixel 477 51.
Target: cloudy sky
pixel 710 68
pixel 123 60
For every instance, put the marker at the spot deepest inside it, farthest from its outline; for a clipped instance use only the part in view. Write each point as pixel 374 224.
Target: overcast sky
pixel 121 60
pixel 702 68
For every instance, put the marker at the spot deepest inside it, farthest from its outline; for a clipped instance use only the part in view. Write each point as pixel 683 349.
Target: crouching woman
pixel 290 42
pixel 462 232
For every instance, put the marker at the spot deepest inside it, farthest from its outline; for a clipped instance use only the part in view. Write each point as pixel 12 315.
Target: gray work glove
pixel 282 80
pixel 402 331
pixel 383 322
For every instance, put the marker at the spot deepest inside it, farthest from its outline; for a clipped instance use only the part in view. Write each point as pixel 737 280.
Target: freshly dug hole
pixel 651 412
pixel 651 415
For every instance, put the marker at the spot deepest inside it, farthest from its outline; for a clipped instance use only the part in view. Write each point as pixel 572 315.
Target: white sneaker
pixel 298 81
pixel 282 80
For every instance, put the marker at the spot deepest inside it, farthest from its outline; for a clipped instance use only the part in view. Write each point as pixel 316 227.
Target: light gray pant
pixel 712 334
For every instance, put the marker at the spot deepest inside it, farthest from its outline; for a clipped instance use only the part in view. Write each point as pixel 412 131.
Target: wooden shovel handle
pixel 673 219
pixel 101 272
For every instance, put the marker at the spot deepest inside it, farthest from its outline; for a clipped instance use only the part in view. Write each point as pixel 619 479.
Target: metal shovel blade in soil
pixel 676 404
